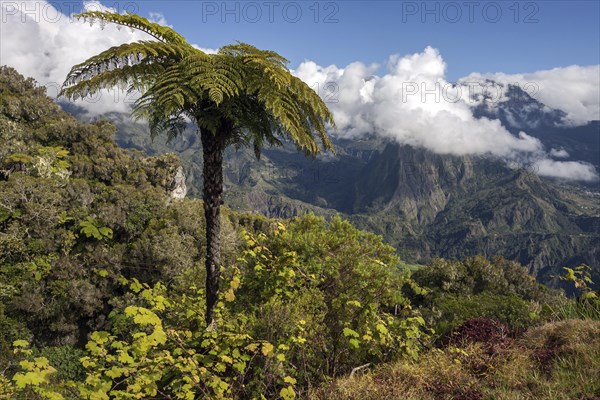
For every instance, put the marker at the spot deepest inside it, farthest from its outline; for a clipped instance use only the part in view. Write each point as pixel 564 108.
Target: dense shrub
pixel 76 211
pixel 341 284
pixel 478 287
pixel 66 360
pixel 452 310
pixel 475 275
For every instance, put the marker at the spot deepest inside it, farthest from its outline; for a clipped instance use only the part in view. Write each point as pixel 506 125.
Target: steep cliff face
pixel 431 205
pixel 419 182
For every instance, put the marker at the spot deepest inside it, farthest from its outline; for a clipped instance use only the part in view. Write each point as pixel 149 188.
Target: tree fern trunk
pixel 213 147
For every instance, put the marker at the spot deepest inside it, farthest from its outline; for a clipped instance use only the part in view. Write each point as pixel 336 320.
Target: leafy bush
pixel 66 360
pixel 476 287
pixel 11 329
pixel 584 306
pixel 477 274
pixel 336 286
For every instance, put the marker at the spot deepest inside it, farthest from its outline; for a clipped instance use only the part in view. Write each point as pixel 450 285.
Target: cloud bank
pixel 573 89
pixel 42 42
pixel 408 104
pixel 411 103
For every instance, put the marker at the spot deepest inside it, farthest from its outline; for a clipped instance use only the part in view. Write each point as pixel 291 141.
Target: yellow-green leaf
pixel 267 349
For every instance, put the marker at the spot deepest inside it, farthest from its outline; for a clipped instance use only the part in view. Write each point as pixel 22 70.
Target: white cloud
pixel 159 18
pixel 408 104
pixel 41 42
pixel 559 153
pixel 413 104
pixel 574 89
pixel 204 49
pixel 569 170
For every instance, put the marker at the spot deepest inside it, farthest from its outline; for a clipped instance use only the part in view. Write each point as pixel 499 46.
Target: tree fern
pixel 242 96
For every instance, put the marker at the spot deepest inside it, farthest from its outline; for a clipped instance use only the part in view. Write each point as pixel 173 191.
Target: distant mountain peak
pixel 515 107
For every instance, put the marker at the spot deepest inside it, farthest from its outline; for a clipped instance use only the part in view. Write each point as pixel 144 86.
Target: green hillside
pixel 102 294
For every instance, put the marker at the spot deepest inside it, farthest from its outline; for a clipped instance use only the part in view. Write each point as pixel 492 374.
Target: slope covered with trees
pixel 91 239
pixel 99 293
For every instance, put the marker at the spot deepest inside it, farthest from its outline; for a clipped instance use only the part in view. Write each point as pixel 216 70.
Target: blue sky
pixel 476 36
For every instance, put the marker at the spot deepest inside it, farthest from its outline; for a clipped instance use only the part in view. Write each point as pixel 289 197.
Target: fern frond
pixel 219 75
pixel 125 55
pixel 137 77
pixel 133 21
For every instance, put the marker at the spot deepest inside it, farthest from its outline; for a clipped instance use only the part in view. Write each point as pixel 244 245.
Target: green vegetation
pixel 100 260
pixel 240 96
pixel 587 305
pixel 482 358
pixel 557 361
pixel 475 287
pixel 99 294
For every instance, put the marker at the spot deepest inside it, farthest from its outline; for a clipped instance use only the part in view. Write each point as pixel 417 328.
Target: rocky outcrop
pixel 178 186
pixel 165 171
